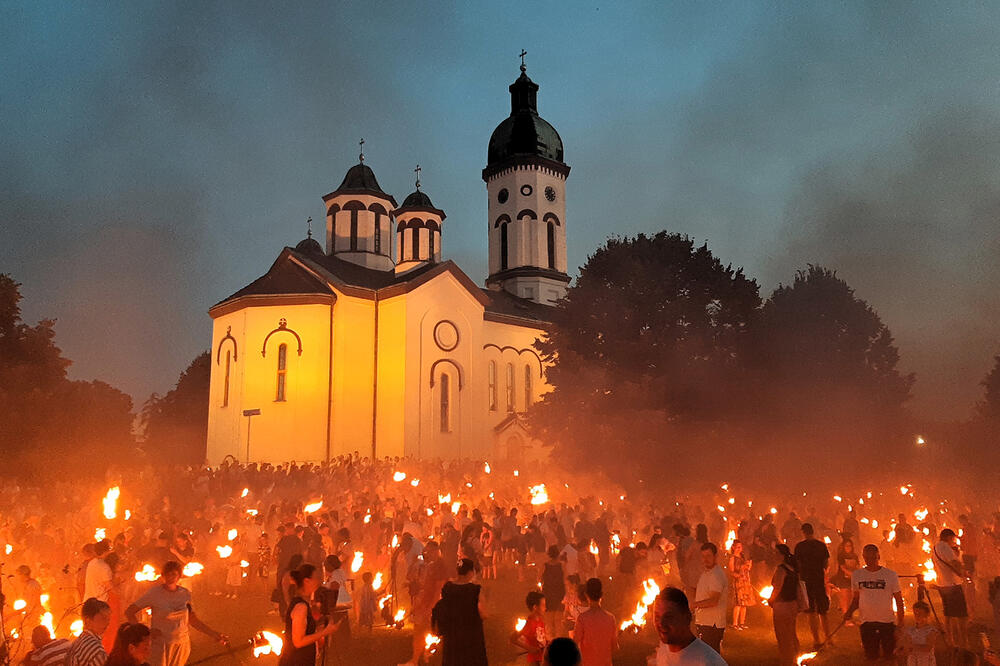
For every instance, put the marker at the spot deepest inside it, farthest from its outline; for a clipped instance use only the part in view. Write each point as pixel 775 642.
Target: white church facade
pixel 376 344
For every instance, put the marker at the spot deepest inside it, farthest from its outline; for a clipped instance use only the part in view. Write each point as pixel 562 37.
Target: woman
pixel 458 619
pixel 286 586
pixel 743 593
pixel 301 635
pixel 133 646
pixel 847 562
pixel 784 602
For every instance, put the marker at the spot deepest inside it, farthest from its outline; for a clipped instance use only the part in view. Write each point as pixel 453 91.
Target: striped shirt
pixel 86 650
pixel 52 653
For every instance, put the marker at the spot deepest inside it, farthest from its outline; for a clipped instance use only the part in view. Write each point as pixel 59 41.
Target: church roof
pixel 524 134
pixel 419 201
pixel 360 179
pixel 303 273
pixel 309 246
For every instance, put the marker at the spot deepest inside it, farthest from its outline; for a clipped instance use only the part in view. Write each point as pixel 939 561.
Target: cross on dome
pixel 523 53
pixel 417 171
pixel 361 157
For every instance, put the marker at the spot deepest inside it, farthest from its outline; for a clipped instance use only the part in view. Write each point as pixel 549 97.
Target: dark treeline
pixel 669 364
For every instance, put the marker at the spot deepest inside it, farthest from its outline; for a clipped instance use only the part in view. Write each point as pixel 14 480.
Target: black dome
pixel 417 200
pixel 524 133
pixel 309 246
pixel 360 178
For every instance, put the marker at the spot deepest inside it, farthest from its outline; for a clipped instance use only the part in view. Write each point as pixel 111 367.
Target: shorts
pixel 819 602
pixel 876 636
pixel 953 601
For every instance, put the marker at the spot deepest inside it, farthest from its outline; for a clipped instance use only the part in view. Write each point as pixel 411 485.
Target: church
pixel 373 342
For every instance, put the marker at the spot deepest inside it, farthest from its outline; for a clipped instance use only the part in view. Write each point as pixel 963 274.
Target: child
pixel 553 580
pixel 532 638
pixel 574 603
pixel 263 556
pixel 920 638
pixel 367 602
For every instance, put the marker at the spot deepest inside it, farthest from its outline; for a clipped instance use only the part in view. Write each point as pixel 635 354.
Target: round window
pixel 526 190
pixel 550 194
pixel 502 195
pixel 445 335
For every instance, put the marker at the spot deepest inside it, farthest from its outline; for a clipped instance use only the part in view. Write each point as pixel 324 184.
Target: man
pixel 875 587
pixel 87 649
pixel 596 631
pixel 678 645
pixel 98 581
pixel 47 651
pixel 813 559
pixel 28 590
pixel 172 615
pixel 951 577
pixel 430 578
pixel 710 596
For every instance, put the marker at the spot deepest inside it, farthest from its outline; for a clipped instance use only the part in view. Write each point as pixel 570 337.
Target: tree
pixel 650 338
pixel 828 364
pixel 51 423
pixel 176 424
pixel 989 408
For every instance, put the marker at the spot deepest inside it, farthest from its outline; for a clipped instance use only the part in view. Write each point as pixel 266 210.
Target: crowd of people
pixel 345 548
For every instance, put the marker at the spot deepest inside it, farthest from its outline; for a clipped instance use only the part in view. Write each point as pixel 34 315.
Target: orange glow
pixel 267 643
pixel 110 502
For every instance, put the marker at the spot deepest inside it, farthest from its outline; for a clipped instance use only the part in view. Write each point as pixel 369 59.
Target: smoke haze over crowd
pixel 155 158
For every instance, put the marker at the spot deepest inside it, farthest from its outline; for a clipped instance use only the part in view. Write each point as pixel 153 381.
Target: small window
pixel 493 386
pixel 415 244
pixel 445 403
pixel 510 387
pixel 551 233
pixel 503 246
pixel 430 241
pixel 354 230
pixel 282 372
pixel 527 387
pixel 225 381
pixel 378 233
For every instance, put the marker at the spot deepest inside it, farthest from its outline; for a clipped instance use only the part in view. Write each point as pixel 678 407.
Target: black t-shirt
pixel 812 556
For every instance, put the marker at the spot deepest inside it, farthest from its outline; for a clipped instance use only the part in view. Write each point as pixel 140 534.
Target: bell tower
pixel 525 179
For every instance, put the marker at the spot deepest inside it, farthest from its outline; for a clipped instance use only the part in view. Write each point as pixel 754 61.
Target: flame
pixel 444 499
pixel 766 592
pixel 395 541
pixel 920 513
pixel 224 551
pixel 486 468
pixel 128 515
pixel 246 491
pixel 110 502
pixel 431 642
pixel 593 548
pixel 926 546
pixel 430 512
pixel 377 581
pixel 539 495
pixel 368 518
pixel 244 565
pixel 730 538
pixel 400 614
pixel 399 476
pixel 519 625
pixel 415 482
pixel 803 658
pixel 383 601
pixel 252 512
pixel 455 506
pixel 616 543
pixel 192 569
pixel 147 574
pixel 357 562
pixel 47 623
pixel 773 510
pixel 44 599
pixel 76 627
pixel 827 540
pixel 313 507
pixel 20 604
pixel 232 534
pixel 100 534
pixel 875 524
pixel 8 549
pixel 903 490
pixel 721 508
pixel 838 498
pixel 516 473
pixel 267 643
pixel 638 619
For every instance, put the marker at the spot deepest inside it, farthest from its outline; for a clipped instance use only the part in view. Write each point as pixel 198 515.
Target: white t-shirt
pixel 170 611
pixel 698 653
pixel 344 594
pixel 875 590
pixel 98 579
pixel 945 574
pixel 713 580
pixel 572 560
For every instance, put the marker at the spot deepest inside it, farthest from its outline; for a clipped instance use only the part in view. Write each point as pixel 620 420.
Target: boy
pixel 532 638
pixel 921 637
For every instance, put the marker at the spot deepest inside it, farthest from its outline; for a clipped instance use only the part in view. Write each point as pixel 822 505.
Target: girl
pixel 133 646
pixel 301 634
pixel 743 593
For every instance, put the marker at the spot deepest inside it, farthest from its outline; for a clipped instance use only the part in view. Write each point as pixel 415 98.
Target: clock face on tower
pixel 502 195
pixel 550 194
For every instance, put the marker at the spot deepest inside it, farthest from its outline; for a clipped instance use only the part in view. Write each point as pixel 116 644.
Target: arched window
pixel 401 241
pixel 378 233
pixel 282 372
pixel 430 242
pixel 551 232
pixel 503 246
pixel 225 381
pixel 354 230
pixel 415 243
pixel 493 386
pixel 510 387
pixel 528 397
pixel 445 403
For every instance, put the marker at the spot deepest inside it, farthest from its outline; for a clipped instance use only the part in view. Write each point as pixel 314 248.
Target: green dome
pixel 524 133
